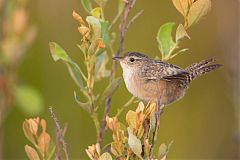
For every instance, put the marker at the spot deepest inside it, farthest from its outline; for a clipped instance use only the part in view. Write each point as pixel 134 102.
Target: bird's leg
pixel 158 112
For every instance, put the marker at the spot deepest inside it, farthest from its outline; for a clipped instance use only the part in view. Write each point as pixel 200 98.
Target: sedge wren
pixel 158 81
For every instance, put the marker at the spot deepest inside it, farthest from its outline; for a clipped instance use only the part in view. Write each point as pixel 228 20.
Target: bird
pixel 153 80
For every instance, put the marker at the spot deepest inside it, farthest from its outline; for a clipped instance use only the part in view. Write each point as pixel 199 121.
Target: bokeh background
pixel 204 124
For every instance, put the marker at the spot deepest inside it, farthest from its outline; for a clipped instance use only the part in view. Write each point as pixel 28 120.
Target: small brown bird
pixel 158 81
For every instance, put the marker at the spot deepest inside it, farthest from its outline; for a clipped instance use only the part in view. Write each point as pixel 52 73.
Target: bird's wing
pixel 161 70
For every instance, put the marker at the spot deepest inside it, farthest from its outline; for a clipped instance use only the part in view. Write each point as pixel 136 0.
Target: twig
pixel 126 105
pixel 134 18
pixel 60 137
pixel 123 27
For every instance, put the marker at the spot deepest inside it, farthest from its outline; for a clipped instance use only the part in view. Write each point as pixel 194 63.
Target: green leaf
pixel 111 88
pixel 198 10
pixel 84 105
pixel 105 156
pixel 164 38
pixel 96 25
pixel 87 5
pixel 104 33
pixel 181 33
pixel 58 53
pixel 29 100
pixel 134 143
pixel 100 68
pixel 96 12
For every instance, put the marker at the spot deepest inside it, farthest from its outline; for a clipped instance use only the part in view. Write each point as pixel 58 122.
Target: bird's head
pixel 132 60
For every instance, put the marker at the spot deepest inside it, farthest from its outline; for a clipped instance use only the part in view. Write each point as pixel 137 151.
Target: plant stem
pixel 96 123
pixel 123 27
pixel 60 136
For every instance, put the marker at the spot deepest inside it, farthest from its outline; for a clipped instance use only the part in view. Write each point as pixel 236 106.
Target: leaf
pixel 105 156
pixel 44 142
pixel 51 151
pixel 181 6
pixel 96 12
pixel 198 10
pixel 134 143
pixel 100 68
pixel 162 151
pixel 164 38
pixel 31 153
pixel 181 33
pixel 96 25
pixel 87 5
pixel 27 132
pixel 111 88
pixel 104 33
pixel 131 118
pixel 58 53
pixel 29 100
pixel 152 121
pixel 43 125
pixel 86 106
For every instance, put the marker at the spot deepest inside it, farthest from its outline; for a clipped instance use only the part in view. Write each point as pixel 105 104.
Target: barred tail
pixel 205 66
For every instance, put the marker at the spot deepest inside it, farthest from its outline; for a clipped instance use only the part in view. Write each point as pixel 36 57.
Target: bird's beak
pixel 117 58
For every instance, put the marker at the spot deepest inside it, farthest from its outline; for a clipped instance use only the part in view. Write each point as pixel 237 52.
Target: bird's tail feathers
pixel 205 66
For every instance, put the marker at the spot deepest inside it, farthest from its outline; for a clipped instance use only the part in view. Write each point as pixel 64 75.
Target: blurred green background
pixel 203 125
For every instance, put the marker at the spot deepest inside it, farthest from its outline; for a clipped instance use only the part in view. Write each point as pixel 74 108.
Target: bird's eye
pixel 131 59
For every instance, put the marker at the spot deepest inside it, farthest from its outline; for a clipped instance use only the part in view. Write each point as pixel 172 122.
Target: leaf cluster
pixel 35 131
pixel 134 140
pixel 192 11
pixel 96 43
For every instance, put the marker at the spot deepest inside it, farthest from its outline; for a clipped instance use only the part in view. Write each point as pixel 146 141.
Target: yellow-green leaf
pixel 198 10
pixel 31 153
pixel 95 24
pixel 131 118
pixel 134 143
pixel 162 151
pixel 58 53
pixel 181 33
pixel 105 156
pixel 181 6
pixel 96 12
